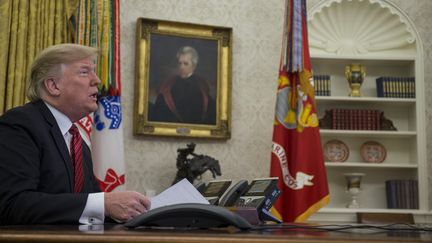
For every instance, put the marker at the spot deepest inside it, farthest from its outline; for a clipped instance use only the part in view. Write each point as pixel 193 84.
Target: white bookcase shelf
pixel 362 164
pixel 390 48
pixel 368 134
pixel 371 100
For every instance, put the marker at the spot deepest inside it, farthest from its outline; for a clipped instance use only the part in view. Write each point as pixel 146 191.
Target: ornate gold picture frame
pixel 183 79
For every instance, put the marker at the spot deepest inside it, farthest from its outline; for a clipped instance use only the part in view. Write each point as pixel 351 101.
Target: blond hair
pixel 48 64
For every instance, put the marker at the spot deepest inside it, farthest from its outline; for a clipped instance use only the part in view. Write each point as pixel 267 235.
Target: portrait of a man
pixel 183 80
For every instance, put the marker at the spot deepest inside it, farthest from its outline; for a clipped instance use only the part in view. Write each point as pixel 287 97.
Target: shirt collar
pixel 62 120
pixel 189 75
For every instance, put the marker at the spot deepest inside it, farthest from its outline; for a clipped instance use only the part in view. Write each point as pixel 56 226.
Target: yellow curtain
pixel 28 26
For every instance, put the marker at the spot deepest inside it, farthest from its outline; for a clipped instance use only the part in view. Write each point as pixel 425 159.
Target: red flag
pixel 297 158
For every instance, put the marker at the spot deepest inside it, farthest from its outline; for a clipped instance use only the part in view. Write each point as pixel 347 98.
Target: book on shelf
pixel 395 87
pixel 322 85
pixel 391 194
pixel 355 119
pixel 402 194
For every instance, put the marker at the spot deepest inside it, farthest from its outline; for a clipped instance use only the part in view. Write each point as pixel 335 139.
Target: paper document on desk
pixel 181 192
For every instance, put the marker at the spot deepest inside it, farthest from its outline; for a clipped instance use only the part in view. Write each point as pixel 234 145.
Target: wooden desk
pixel 117 233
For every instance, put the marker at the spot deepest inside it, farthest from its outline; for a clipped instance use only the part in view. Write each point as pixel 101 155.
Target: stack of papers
pixel 181 192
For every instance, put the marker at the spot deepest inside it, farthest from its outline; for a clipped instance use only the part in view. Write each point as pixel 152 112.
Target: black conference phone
pixel 189 215
pixel 260 194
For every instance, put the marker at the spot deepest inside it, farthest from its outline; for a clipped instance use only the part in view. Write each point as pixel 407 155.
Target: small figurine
pixel 192 168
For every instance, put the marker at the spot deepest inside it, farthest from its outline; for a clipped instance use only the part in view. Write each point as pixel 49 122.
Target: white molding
pixel 359 27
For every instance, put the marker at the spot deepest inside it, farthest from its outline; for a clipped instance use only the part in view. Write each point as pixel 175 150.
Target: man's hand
pixel 123 206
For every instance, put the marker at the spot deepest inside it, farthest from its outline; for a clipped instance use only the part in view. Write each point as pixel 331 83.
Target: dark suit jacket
pixel 36 174
pixel 184 100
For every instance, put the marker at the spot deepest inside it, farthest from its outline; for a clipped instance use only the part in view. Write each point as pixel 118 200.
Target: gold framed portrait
pixel 183 79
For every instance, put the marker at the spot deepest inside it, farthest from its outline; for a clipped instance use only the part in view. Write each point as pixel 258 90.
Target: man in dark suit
pixel 40 182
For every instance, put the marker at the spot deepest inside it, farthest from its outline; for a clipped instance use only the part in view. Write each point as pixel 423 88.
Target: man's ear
pixel 51 87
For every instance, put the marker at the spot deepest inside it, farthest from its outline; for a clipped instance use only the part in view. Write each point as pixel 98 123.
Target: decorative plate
pixel 373 152
pixel 336 151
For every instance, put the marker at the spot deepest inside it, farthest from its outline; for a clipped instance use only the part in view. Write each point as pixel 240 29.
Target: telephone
pixel 261 194
pixel 189 215
pixel 215 189
pixel 233 194
pixel 258 192
pixel 201 186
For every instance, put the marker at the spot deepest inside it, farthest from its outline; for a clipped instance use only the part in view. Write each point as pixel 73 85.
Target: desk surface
pixel 118 233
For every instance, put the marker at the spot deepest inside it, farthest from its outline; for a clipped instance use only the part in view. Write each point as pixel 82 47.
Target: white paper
pixel 181 192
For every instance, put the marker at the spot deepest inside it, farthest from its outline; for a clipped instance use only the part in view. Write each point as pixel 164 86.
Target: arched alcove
pixel 361 28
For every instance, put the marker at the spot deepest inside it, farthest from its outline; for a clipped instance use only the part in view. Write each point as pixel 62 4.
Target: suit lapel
pixel 58 140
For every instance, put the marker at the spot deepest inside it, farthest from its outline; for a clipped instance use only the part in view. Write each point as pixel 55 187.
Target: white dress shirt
pixel 94 211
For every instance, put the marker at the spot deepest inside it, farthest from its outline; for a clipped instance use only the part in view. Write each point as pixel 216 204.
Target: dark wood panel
pixel 118 233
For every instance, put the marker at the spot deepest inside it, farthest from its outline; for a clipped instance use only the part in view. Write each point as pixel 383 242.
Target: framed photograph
pixel 183 79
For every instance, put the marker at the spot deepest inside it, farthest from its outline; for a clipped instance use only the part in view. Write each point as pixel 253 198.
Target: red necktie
pixel 76 156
